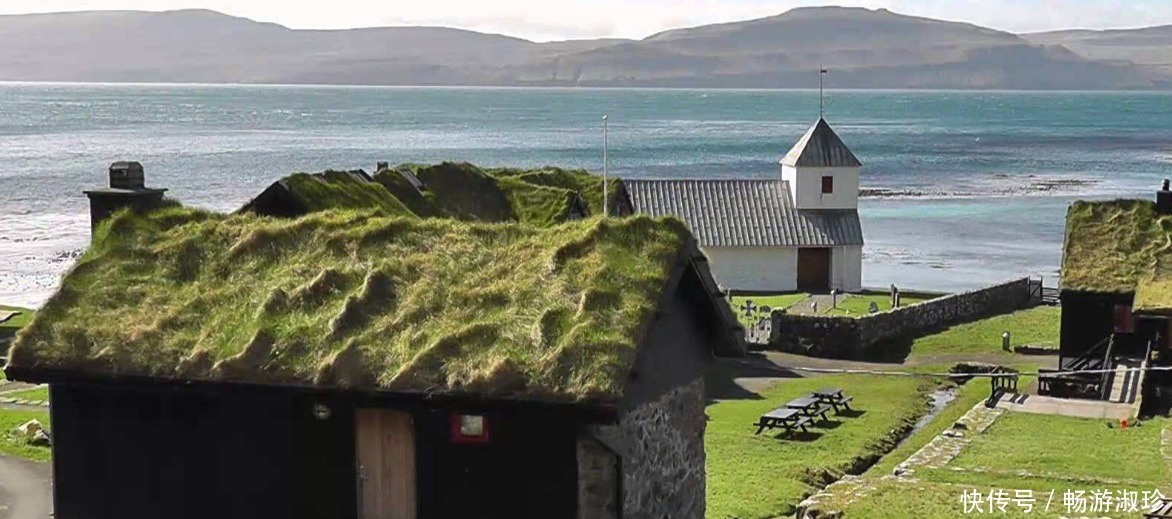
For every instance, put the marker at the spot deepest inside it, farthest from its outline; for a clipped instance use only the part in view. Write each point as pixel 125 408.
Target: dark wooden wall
pixel 125 453
pixel 228 452
pixel 527 469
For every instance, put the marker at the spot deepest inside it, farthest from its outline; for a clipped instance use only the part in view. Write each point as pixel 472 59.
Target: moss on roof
pixel 467 192
pixel 342 190
pixel 420 203
pixel 1111 246
pixel 537 205
pixel 356 300
pixel 581 181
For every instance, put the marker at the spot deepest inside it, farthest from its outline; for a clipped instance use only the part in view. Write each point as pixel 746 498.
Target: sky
pixel 544 20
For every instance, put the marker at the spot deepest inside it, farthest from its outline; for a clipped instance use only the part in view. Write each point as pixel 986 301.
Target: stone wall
pixel 661 446
pixel 597 480
pixel 853 337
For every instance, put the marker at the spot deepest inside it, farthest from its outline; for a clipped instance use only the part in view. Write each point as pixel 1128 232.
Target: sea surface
pixel 963 188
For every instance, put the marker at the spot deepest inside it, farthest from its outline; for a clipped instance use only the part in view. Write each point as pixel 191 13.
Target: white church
pixel 797 232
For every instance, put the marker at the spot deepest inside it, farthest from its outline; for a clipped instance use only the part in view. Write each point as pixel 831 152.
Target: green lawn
pixel 893 499
pixel 1036 326
pixel 12 446
pixel 751 476
pixel 1027 452
pixel 860 304
pixel 851 304
pixel 8 328
pixel 1072 448
pixel 40 394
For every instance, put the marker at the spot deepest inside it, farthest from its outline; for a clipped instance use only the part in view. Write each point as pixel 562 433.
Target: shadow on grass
pixel 798 436
pixel 721 380
pixel 851 413
pixel 828 424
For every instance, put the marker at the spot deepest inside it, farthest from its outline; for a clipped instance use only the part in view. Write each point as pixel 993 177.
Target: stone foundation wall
pixel 852 337
pixel 661 445
pixel 598 481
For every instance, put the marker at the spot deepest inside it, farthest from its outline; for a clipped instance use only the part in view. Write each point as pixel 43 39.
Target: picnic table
pixel 810 406
pixel 834 397
pixel 782 417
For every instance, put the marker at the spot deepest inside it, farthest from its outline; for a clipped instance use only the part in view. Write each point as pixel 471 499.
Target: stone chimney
pixel 381 166
pixel 127 189
pixel 1164 199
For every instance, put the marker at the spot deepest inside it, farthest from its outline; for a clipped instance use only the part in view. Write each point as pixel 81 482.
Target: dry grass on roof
pixel 1111 246
pixel 354 300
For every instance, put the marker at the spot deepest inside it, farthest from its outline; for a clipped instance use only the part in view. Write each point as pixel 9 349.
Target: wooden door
pixel 385 441
pixel 814 270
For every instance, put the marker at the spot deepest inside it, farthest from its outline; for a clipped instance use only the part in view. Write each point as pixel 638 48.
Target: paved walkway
pixel 25 489
pixel 1098 409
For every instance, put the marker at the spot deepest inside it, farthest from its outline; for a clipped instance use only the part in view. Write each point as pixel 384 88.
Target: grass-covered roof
pixel 342 190
pixel 357 300
pixel 1116 246
pixel 581 181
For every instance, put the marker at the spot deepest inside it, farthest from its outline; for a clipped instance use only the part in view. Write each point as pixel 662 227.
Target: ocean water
pixel 964 188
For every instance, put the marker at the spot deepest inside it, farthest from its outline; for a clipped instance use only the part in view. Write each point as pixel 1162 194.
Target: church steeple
pixel 821 170
pixel 820 147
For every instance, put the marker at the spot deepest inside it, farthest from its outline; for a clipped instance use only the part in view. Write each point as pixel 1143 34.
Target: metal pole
pixel 605 168
pixel 821 73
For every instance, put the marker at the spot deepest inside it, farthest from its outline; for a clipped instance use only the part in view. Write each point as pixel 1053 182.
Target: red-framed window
pixel 469 428
pixel 827 185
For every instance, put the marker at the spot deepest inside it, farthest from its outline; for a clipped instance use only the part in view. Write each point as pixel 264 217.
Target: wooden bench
pixel 782 418
pixel 810 406
pixel 834 397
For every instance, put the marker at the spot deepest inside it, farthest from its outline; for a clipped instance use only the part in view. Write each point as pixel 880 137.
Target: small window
pixel 827 185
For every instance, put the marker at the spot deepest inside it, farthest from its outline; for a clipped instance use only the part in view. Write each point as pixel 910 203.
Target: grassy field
pixel 1035 326
pixel 11 445
pixel 9 327
pixel 757 476
pixel 1035 454
pixel 893 499
pixel 860 304
pixel 40 394
pixel 1069 448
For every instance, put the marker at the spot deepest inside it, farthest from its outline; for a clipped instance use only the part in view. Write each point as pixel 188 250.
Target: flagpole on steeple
pixel 821 105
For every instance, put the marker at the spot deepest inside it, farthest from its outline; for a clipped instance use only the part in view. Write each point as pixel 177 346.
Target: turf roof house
pixel 462 191
pixel 1117 280
pixel 800 231
pixel 351 364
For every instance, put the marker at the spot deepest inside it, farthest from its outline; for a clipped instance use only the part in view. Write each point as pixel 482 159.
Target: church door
pixel 814 269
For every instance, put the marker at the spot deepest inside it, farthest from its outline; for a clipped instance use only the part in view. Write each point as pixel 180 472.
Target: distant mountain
pixel 1150 47
pixel 865 49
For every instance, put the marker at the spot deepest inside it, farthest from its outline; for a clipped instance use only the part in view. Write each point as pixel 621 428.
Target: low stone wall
pixel 852 337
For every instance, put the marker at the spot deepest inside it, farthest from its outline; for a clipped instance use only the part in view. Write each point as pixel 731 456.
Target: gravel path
pixel 25 489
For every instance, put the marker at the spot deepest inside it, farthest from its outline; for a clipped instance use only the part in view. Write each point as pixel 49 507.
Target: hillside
pixel 865 48
pixel 1150 46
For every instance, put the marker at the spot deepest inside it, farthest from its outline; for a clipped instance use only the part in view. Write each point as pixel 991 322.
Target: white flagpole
pixel 605 167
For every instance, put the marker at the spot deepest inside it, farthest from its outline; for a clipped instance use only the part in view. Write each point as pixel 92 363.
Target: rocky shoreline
pixel 1034 185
